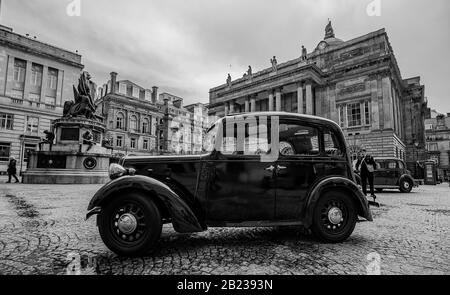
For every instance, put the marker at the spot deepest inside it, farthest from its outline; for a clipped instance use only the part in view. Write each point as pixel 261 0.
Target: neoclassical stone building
pixel 36 80
pixel 356 83
pixel 131 115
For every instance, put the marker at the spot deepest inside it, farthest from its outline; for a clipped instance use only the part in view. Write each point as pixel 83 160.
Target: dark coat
pixel 12 167
pixel 362 165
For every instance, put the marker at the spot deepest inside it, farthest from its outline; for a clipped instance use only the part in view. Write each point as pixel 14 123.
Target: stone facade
pixel 182 127
pixel 437 131
pixel 131 117
pixel 35 80
pixel 356 83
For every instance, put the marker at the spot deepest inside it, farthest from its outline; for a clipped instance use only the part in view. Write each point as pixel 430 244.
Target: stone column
pixel 231 106
pixel 309 99
pixel 247 107
pixel 9 77
pixel 270 100
pixel 300 98
pixel 278 99
pixel 59 88
pixel 225 108
pixel 253 104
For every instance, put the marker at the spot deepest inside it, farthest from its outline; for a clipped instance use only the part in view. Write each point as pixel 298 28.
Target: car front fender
pixel 337 183
pixel 183 217
pixel 407 177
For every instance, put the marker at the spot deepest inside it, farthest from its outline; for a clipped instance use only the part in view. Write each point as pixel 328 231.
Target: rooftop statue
pixel 329 32
pixel 83 104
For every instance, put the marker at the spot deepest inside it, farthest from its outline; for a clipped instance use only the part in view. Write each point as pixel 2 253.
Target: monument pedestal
pixel 73 159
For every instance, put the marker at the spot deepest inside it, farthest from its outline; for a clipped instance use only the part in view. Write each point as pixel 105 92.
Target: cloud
pixel 187 46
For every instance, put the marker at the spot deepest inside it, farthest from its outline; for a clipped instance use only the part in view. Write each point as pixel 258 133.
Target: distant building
pixel 437 132
pixel 131 115
pixel 356 83
pixel 35 80
pixel 183 127
pixel 199 125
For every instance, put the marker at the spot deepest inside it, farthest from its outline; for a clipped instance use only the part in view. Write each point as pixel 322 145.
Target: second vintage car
pixel 391 173
pixel 258 169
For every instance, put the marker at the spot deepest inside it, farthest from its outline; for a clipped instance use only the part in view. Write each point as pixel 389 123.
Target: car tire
pixel 405 186
pixel 327 226
pixel 130 225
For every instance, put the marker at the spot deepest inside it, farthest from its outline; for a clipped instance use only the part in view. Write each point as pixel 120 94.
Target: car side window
pixel 379 165
pixel 255 135
pixel 400 165
pixel 331 144
pixel 392 165
pixel 298 140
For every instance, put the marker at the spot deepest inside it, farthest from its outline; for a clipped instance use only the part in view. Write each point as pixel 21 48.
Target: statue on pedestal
pixel 229 80
pixel 88 138
pixel 83 104
pixel 304 53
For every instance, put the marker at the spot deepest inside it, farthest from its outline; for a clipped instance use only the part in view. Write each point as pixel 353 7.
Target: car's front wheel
pixel 405 186
pixel 130 225
pixel 334 217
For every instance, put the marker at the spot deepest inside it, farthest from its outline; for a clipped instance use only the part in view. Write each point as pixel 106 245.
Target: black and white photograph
pixel 230 141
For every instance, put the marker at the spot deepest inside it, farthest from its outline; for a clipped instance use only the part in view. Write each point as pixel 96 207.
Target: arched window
pixel 133 124
pixel 119 121
pixel 145 126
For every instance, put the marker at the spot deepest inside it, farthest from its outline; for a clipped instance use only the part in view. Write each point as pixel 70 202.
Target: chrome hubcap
pixel 127 223
pixel 335 215
pixel 406 185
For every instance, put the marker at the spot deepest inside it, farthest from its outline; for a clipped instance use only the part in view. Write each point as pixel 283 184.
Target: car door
pixel 380 173
pixel 297 167
pixel 391 175
pixel 241 186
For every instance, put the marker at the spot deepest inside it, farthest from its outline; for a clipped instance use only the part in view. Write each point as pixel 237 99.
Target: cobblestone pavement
pixel 42 227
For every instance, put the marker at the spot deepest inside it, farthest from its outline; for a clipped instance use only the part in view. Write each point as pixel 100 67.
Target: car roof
pixel 304 117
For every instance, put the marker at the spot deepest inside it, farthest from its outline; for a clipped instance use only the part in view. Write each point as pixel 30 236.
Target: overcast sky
pixel 187 47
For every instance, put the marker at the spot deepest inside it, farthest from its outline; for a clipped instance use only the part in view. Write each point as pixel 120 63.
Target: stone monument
pixel 79 154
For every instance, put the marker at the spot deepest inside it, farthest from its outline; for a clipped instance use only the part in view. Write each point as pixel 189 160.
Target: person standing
pixel 366 167
pixel 12 170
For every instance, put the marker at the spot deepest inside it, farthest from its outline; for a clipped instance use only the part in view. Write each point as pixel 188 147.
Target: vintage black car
pixel 258 169
pixel 391 173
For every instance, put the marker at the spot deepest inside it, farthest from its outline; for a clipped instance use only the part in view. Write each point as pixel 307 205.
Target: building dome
pixel 330 39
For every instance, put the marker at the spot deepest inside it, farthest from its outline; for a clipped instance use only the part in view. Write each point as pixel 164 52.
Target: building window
pixel 20 67
pixel 354 114
pixel 52 79
pixel 119 141
pixel 36 75
pixel 133 124
pixel 133 143
pixel 5 149
pixel 145 147
pixel 145 126
pixel 367 112
pixel 6 121
pixel 129 90
pixel 32 124
pixel 119 121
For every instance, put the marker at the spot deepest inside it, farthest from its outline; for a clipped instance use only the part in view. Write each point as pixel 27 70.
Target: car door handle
pixel 270 168
pixel 281 167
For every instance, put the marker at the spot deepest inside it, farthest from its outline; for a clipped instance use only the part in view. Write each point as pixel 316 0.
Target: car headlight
pixel 115 171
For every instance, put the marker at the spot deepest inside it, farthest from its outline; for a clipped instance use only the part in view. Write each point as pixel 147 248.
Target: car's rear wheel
pixel 130 225
pixel 334 217
pixel 405 186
